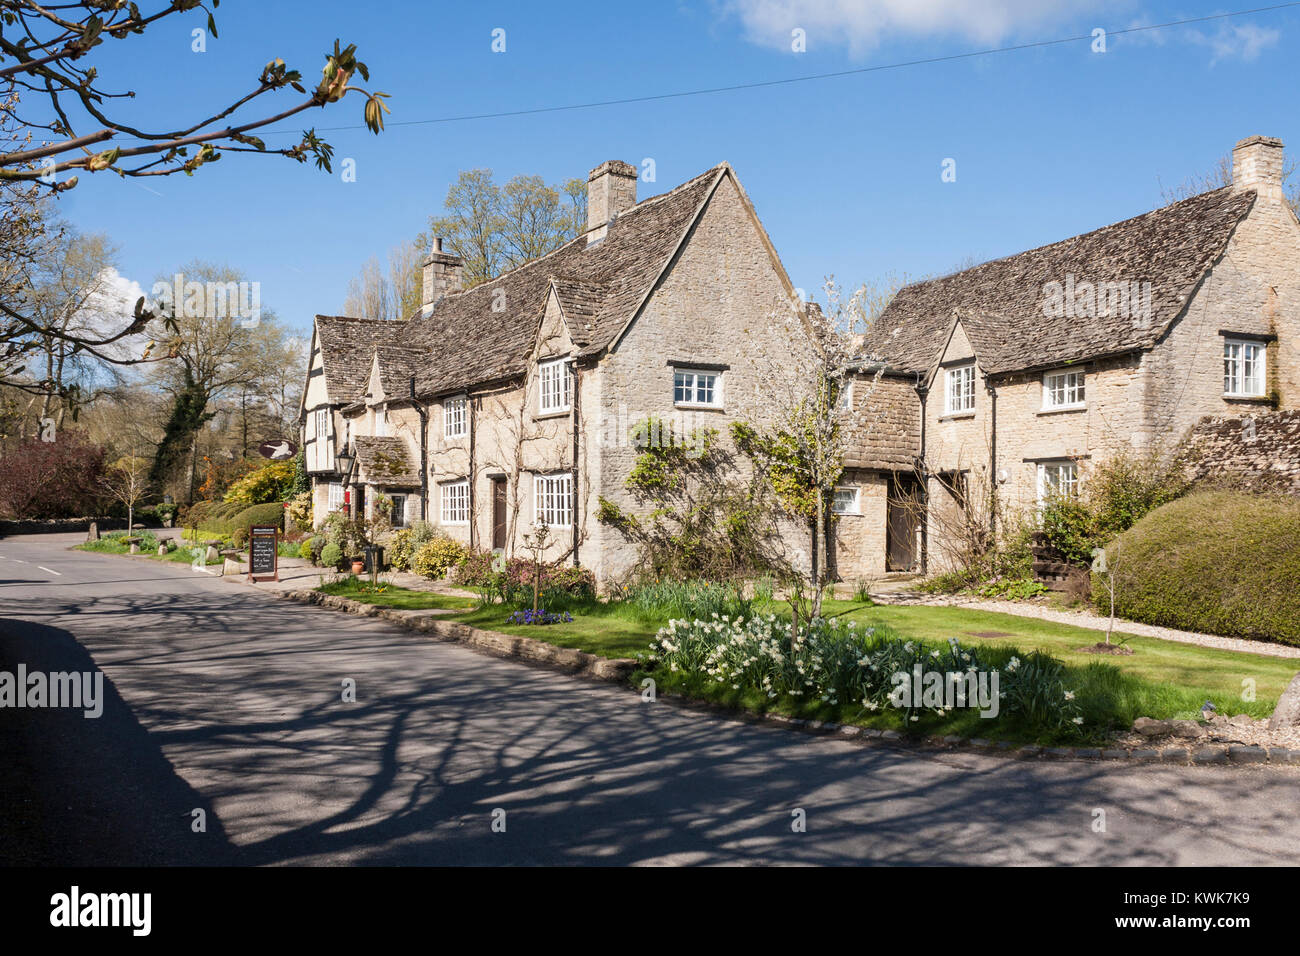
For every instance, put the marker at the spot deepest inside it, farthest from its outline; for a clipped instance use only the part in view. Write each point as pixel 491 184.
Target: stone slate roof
pixel 886 431
pixel 347 350
pixel 1252 453
pixel 464 342
pixel 397 364
pixel 386 461
pixel 1000 303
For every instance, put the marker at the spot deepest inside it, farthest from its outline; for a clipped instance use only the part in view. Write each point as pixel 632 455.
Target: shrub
pixel 274 481
pixel 475 570
pixel 300 510
pixel 56 479
pixel 331 556
pixel 405 542
pixel 306 551
pixel 239 538
pixel 437 556
pixel 1216 561
pixel 267 514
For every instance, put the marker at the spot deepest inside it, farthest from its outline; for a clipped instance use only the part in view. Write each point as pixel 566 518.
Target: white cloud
pixel 1237 41
pixel 865 24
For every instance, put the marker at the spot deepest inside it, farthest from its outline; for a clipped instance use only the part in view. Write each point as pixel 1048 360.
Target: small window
pixel 553 386
pixel 397 516
pixel 698 388
pixel 554 506
pixel 455 415
pixel 844 400
pixel 381 422
pixel 322 423
pixel 1243 368
pixel 1057 479
pixel 336 496
pixel 845 501
pixel 1063 390
pixel 455 502
pixel 959 396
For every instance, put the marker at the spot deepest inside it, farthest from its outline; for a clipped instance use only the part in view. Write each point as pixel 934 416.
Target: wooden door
pixel 904 520
pixel 498 513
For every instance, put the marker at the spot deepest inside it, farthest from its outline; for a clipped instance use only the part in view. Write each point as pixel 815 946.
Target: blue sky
pixel 845 173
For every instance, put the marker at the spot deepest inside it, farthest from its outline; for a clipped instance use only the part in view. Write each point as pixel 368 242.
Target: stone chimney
pixel 1257 164
pixel 443 275
pixel 611 190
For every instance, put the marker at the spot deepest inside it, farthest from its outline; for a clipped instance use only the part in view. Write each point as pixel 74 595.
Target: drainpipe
pixel 922 392
pixel 576 451
pixel 424 453
pixel 471 404
pixel 993 457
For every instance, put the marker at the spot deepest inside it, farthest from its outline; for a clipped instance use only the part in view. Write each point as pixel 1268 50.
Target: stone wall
pixel 1254 453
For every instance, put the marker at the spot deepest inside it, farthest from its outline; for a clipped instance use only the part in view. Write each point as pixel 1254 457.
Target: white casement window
pixel 455 417
pixel 697 387
pixel 397 516
pixel 845 501
pixel 455 502
pixel 554 506
pixel 381 422
pixel 1063 390
pixel 1243 368
pixel 844 401
pixel 959 395
pixel 553 386
pixel 336 496
pixel 1057 479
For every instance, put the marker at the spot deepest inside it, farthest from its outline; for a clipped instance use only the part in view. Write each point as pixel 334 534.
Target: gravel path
pixel 1092 621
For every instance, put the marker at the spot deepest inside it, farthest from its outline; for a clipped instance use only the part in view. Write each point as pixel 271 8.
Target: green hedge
pixel 223 517
pixel 1221 562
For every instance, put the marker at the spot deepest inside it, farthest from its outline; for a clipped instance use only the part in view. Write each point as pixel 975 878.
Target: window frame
pixel 398 510
pixel 962 370
pixel 1057 463
pixel 444 500
pixel 1080 390
pixel 461 420
pixel 856 491
pixel 1259 362
pixel 716 388
pixel 564 395
pixel 541 511
pixel 330 506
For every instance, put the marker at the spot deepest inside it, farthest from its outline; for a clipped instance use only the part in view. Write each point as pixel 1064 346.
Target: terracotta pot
pixel 358 567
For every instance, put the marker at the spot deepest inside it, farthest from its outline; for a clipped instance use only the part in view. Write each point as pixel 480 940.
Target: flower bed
pixel 539 617
pixel 867 672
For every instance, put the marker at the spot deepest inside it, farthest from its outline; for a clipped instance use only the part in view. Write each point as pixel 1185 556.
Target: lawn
pixel 390 595
pixel 114 543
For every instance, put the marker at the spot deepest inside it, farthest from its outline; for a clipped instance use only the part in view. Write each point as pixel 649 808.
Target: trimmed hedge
pixel 227 517
pixel 1220 562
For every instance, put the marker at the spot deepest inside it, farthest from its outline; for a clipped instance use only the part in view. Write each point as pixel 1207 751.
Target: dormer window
pixel 553 386
pixel 959 393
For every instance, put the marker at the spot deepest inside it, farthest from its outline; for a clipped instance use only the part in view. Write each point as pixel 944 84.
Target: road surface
pixel 226 700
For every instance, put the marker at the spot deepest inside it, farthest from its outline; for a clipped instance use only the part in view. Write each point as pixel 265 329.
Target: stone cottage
pixel 512 403
pixel 1016 377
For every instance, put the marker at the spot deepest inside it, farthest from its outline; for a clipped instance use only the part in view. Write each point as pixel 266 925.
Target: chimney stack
pixel 1257 164
pixel 611 190
pixel 443 275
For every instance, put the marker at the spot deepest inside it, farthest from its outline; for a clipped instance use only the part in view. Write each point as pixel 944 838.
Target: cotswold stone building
pixel 511 403
pixel 1019 376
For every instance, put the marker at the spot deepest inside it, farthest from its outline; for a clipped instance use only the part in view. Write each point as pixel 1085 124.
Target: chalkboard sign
pixel 263 552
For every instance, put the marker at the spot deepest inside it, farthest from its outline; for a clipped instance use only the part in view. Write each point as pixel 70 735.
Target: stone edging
pixel 567 659
pixel 617 670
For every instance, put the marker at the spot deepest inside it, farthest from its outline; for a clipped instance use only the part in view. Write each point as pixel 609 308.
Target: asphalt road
pixel 227 700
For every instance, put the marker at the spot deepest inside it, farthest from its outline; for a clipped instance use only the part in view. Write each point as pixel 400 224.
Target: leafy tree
pixel 496 228
pixel 71 125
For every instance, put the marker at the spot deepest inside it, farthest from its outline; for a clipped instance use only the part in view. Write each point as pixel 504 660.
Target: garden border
pixel 617 669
